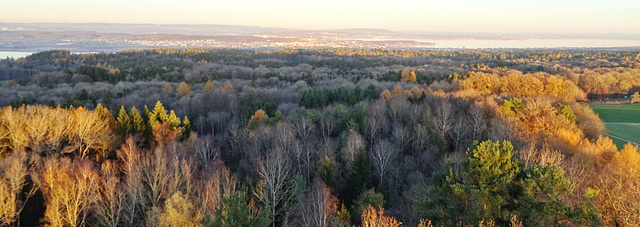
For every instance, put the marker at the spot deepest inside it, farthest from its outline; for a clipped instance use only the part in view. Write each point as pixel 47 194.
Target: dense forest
pixel 322 137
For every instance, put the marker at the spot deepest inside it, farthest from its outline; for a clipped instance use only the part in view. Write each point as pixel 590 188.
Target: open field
pixel 622 113
pixel 622 120
pixel 628 131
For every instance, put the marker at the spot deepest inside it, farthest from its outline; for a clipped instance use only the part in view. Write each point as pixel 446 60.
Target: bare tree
pixel 111 196
pixel 318 207
pixel 420 139
pixel 382 155
pixel 401 136
pixel 304 128
pixel 284 137
pixel 277 190
pixel 477 121
pixel 133 206
pixel 354 143
pixel 13 172
pixel 327 124
pixel 204 150
pixel 443 119
pixel 212 186
pixel 460 134
pixel 376 120
pixel 70 189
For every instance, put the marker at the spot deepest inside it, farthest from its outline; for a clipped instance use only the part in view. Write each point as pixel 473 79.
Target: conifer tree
pixel 123 124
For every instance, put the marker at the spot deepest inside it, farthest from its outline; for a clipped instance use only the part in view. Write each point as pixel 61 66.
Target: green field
pixel 628 131
pixel 622 120
pixel 626 113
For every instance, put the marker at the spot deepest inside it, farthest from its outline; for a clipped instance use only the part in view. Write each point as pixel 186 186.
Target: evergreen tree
pixel 138 124
pixel 123 123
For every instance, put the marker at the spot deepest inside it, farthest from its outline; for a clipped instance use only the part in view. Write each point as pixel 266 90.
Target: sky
pixel 486 16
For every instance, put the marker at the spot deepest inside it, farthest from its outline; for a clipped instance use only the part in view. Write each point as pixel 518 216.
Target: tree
pixel 123 123
pixel 70 190
pixel 167 88
pixel 374 218
pixel 366 199
pixel 636 98
pixel 88 132
pixel 106 97
pixel 408 76
pixel 208 86
pixel 179 210
pixel 183 90
pixel 256 118
pixel 236 212
pixel 138 124
pixel 489 185
pixel 228 87
pixel 111 196
pixel 13 181
pixel 278 189
pixel 318 208
pixel 479 189
pixel 382 156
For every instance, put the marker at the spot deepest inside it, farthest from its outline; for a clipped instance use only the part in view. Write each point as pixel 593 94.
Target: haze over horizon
pixel 491 16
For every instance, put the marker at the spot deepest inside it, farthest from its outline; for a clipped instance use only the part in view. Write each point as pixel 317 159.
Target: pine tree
pixel 106 97
pixel 123 124
pixel 159 114
pixel 138 125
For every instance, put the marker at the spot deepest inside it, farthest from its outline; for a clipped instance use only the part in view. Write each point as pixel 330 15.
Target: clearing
pixel 622 120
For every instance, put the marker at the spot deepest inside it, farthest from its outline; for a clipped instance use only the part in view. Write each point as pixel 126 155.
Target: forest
pixel 316 137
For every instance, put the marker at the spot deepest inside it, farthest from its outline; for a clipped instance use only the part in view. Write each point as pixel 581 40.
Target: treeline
pixel 315 138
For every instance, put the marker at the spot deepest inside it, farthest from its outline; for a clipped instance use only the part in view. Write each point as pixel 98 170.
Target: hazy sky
pixel 557 16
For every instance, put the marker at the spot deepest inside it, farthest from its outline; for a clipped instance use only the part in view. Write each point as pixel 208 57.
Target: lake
pixel 531 43
pixel 16 55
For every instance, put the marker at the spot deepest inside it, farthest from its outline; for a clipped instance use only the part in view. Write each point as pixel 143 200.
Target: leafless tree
pixel 318 207
pixel 13 172
pixel 304 128
pixel 133 206
pixel 111 197
pixel 327 124
pixel 276 188
pixel 382 155
pixel 443 119
pixel 477 121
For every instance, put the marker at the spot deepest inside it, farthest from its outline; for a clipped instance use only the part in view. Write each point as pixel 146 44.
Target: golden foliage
pixel 55 130
pixel 180 211
pixel 208 86
pixel 70 190
pixel 374 218
pixel 13 176
pixel 228 87
pixel 615 174
pixel 256 118
pixel 183 90
pixel 386 95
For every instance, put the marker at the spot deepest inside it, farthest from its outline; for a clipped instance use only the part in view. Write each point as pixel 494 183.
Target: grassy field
pixel 629 131
pixel 622 120
pixel 626 113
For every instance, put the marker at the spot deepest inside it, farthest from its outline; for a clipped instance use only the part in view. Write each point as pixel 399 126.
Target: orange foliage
pixel 374 218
